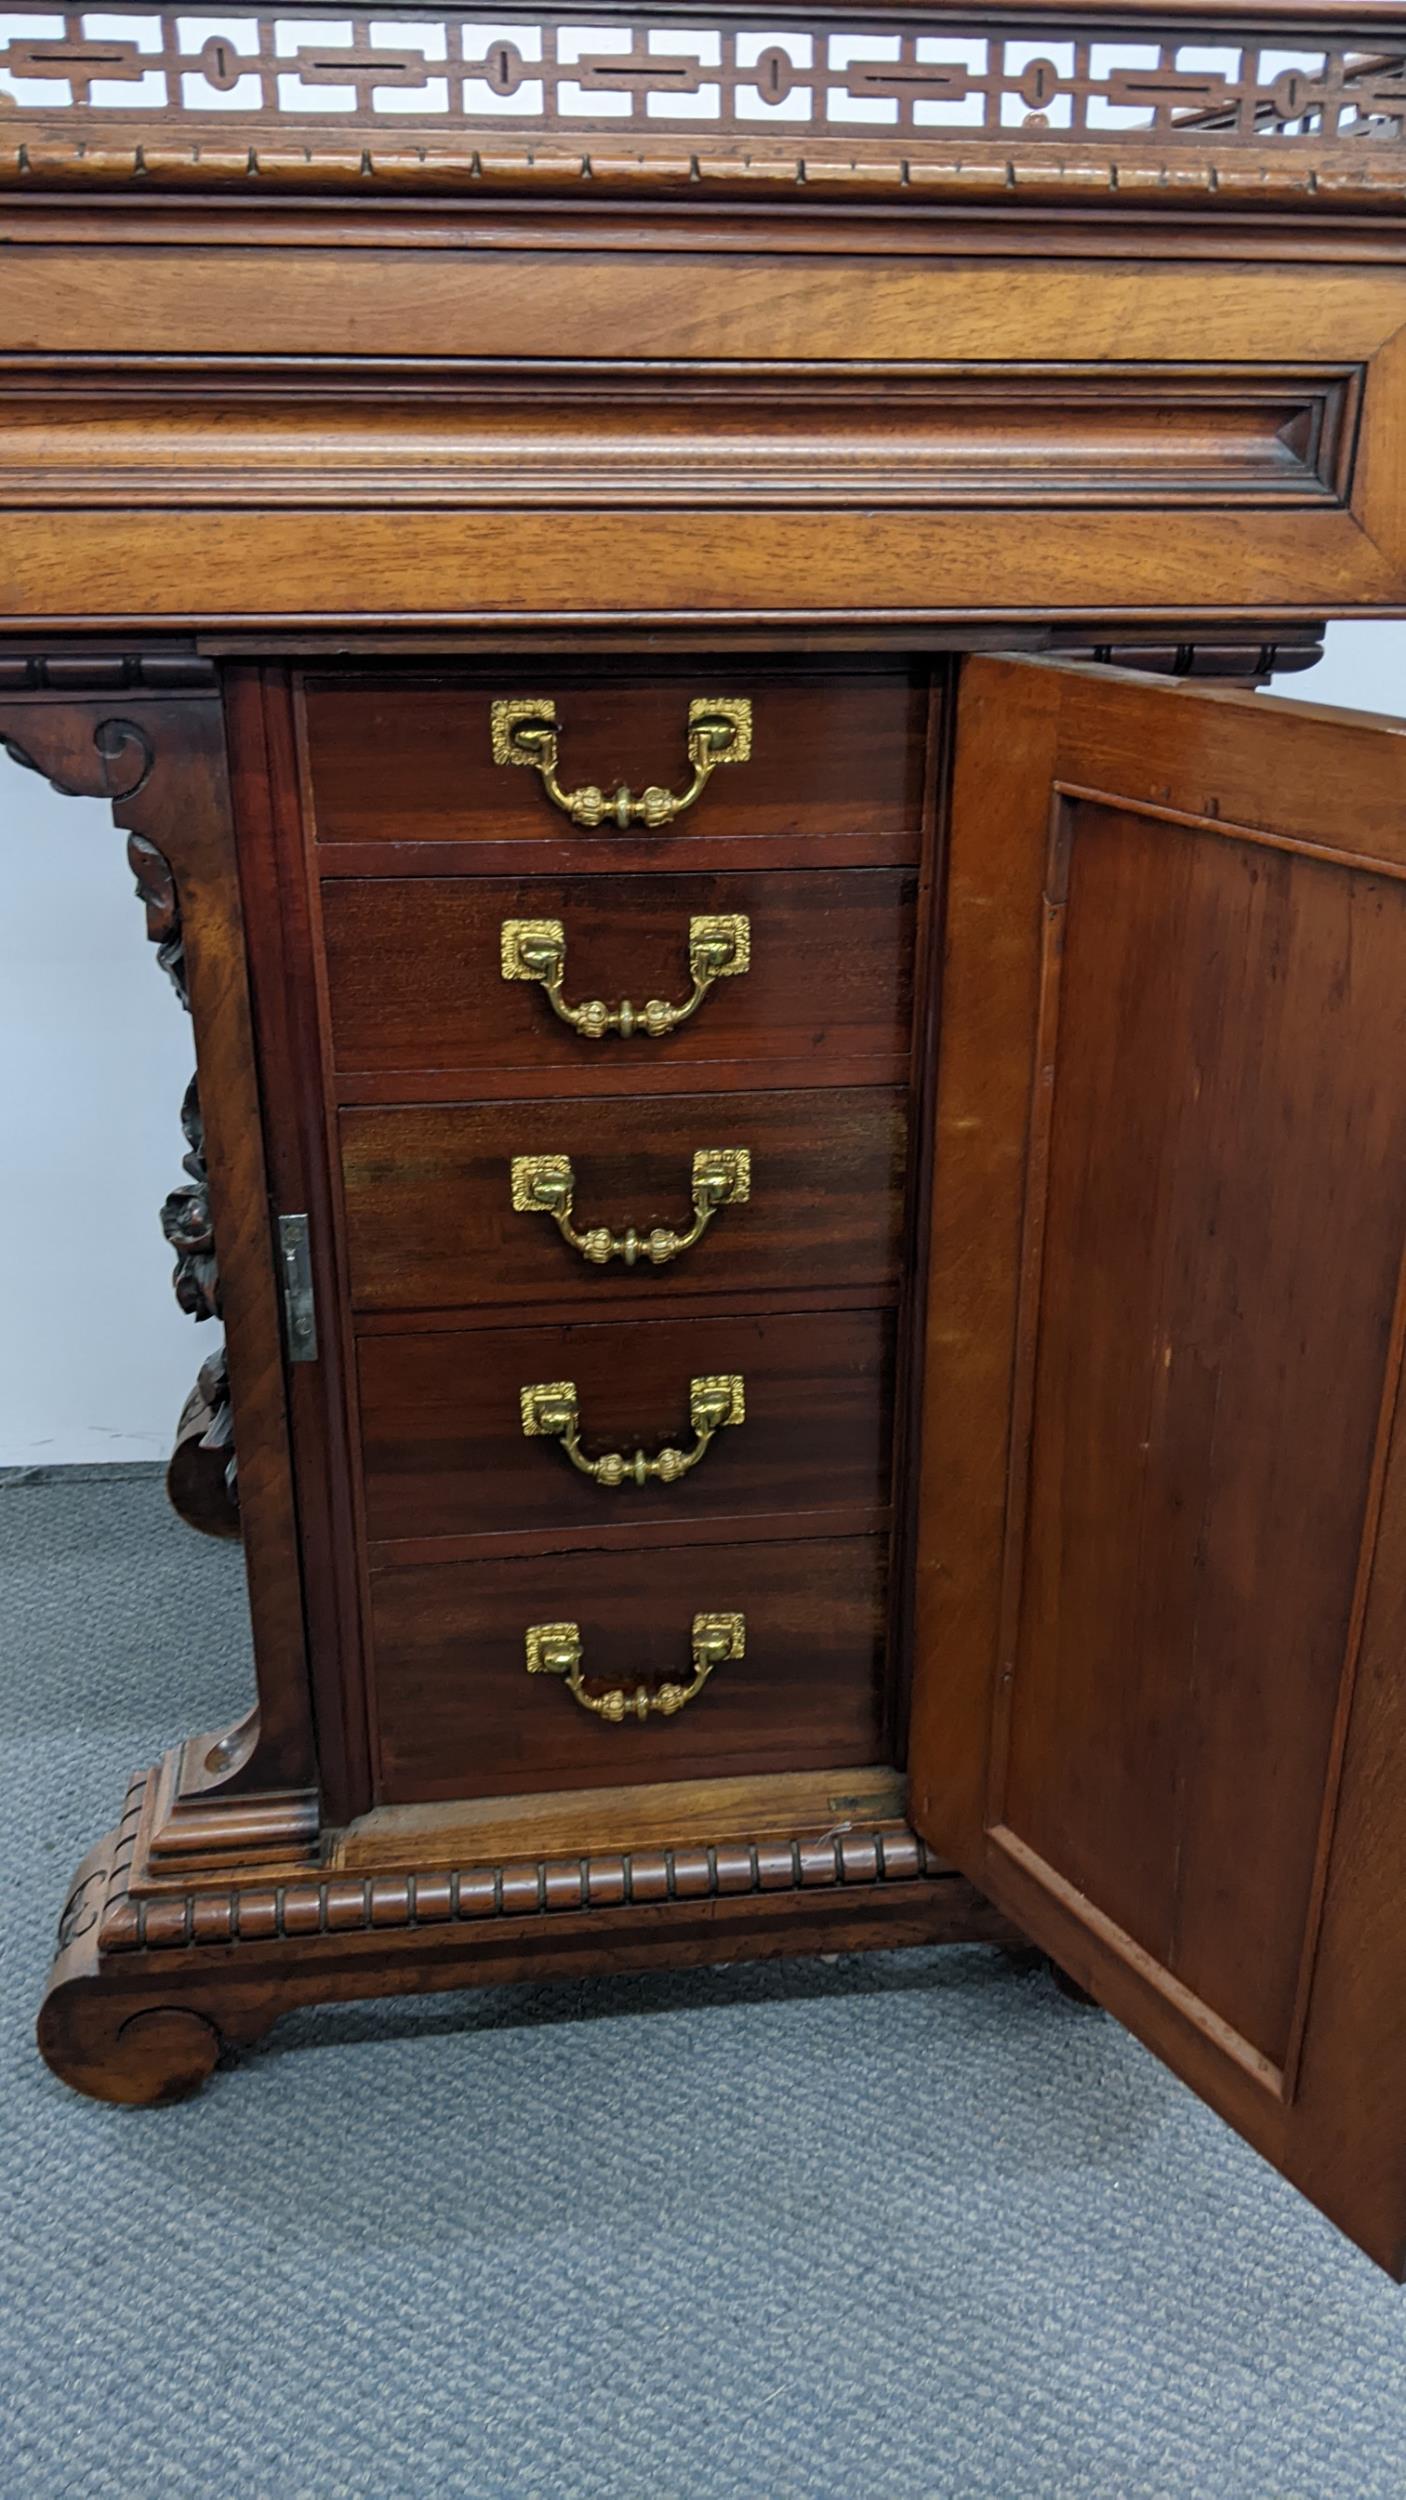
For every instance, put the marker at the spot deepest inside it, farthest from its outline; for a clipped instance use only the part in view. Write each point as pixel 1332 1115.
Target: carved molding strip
pixel 971 101
pixel 1168 654
pixel 339 1905
pixel 76 1917
pixel 104 672
pixel 1030 178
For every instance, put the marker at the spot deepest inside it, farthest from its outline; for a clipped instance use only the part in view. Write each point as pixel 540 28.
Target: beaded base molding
pixel 341 1904
pixel 974 97
pixel 151 1982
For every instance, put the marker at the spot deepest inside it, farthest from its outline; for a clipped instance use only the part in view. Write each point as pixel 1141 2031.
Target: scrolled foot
pixel 96 2042
pixel 111 2025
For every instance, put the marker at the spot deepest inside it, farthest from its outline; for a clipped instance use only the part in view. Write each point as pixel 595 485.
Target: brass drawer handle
pixel 555 1649
pixel 551 1409
pixel 546 1185
pixel 525 728
pixel 719 948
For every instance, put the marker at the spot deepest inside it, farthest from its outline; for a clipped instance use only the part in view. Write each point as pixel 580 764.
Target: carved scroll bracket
pixel 125 759
pixel 155 753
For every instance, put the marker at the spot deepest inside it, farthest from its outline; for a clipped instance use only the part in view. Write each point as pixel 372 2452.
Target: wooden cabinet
pixel 800 1138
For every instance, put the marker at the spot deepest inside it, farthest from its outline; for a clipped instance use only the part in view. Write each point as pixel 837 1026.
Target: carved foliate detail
pixel 185 1217
pixel 185 1221
pixel 212 1382
pixel 156 890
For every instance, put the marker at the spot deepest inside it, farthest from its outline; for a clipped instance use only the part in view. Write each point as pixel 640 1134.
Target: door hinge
pixel 299 1308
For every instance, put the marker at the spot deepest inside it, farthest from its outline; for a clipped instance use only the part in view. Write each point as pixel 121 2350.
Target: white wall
pixel 95 1053
pixel 1363 666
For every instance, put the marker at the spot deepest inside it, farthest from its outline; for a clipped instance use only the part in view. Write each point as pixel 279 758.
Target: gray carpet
pixel 911 2228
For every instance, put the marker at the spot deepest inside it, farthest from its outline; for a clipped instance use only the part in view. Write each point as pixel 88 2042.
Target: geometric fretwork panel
pixel 640 71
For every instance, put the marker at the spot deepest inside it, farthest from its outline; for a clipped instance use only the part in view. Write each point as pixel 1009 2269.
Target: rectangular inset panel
pixel 443 432
pixel 1158 1714
pixel 1205 1343
pixel 839 482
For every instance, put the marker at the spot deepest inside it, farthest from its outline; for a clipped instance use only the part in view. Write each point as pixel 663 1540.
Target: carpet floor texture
pixel 907 2227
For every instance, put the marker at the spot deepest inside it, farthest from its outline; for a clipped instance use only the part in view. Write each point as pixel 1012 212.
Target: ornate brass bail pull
pixel 555 1649
pixel 525 730
pixel 719 948
pixel 552 1410
pixel 546 1185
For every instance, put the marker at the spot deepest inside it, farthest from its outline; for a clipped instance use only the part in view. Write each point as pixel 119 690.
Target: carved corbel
pixel 156 755
pixel 202 1479
pixel 125 759
pixel 156 890
pixel 123 755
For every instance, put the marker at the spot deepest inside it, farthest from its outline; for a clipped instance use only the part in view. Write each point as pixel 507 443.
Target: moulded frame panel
pixel 1284 2010
pixel 544 299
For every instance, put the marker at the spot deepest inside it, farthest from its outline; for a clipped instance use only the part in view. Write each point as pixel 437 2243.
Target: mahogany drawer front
pixel 416 982
pixel 445 1453
pixel 431 1223
pixel 458 1715
pixel 403 761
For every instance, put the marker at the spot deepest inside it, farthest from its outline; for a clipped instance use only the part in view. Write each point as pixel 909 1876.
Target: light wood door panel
pixel 1157 1710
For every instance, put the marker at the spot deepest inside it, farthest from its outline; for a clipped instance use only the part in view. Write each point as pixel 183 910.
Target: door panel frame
pixel 1330 2115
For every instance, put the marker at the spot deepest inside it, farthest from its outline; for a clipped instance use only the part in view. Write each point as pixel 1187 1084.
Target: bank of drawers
pixel 508 1356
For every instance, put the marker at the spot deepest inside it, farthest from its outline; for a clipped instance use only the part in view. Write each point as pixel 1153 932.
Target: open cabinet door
pixel 1160 1675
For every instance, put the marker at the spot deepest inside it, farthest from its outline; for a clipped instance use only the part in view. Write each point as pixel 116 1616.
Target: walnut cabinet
pixel 798 1149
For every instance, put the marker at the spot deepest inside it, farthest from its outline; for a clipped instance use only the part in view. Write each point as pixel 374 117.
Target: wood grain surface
pixel 1159 1550
pixel 445 1454
pixel 833 752
pixel 458 1714
pixel 415 982
pixel 431 1226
